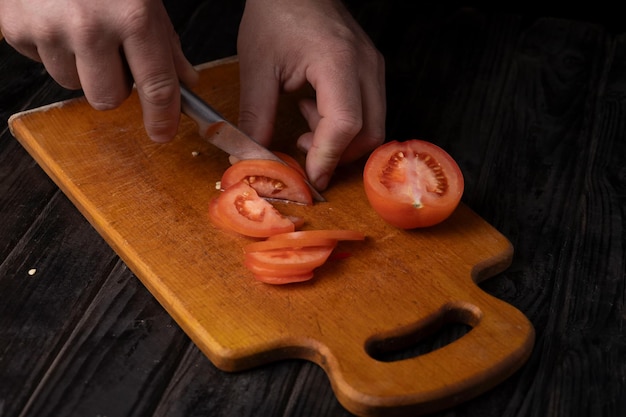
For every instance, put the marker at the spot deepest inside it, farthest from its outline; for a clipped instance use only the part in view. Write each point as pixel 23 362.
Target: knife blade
pixel 223 134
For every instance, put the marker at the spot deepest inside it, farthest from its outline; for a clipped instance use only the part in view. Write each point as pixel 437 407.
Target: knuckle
pixel 159 90
pixel 108 102
pixel 348 123
pixel 138 18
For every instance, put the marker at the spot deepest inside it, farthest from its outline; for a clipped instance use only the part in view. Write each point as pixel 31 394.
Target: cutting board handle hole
pixel 438 331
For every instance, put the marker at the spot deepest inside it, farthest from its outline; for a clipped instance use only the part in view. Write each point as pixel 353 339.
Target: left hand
pixel 282 45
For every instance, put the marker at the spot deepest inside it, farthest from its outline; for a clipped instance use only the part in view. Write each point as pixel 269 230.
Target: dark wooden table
pixel 531 103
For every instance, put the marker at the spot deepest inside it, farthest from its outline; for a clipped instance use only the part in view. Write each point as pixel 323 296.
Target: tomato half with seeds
pixel 240 209
pixel 270 179
pixel 413 183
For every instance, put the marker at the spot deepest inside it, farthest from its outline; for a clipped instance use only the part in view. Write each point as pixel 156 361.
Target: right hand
pixel 94 44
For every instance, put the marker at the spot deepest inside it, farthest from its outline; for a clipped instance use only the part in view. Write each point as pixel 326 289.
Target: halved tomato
pixel 413 183
pixel 270 179
pixel 239 208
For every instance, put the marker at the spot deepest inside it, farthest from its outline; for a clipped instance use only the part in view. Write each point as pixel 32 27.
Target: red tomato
pixel 287 265
pixel 335 234
pixel 273 244
pixel 259 270
pixel 281 280
pixel 412 184
pixel 214 215
pixel 270 179
pixel 239 208
pixel 292 162
pixel 290 259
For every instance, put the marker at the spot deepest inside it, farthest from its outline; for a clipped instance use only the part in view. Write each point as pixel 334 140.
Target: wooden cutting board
pixel 149 201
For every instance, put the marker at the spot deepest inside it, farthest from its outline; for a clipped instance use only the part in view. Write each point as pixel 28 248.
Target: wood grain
pixel 151 206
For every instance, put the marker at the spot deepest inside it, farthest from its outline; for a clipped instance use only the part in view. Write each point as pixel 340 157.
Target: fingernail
pixel 160 138
pixel 321 182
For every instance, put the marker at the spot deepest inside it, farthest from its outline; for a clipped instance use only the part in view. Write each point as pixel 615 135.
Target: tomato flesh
pixel 282 280
pixel 413 183
pixel 274 244
pixel 335 234
pixel 292 162
pixel 305 258
pixel 239 208
pixel 270 179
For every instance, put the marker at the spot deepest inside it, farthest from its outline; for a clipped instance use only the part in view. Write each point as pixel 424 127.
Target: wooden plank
pixel 152 206
pixel 42 299
pixel 117 360
pixel 546 145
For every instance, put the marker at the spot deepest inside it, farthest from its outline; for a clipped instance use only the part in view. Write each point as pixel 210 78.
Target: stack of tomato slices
pixel 287 255
pixel 291 257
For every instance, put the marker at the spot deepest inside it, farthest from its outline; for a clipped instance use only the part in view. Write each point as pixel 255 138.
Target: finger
pixel 104 77
pixel 340 109
pixel 186 72
pixel 60 64
pixel 372 133
pixel 149 57
pixel 308 109
pixel 258 100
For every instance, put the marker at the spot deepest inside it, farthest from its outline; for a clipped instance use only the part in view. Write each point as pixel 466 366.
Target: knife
pixel 225 135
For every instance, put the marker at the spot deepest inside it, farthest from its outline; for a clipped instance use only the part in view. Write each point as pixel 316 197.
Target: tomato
pixel 214 215
pixel 273 244
pixel 270 179
pixel 291 259
pixel 281 280
pixel 287 265
pixel 292 162
pixel 335 234
pixel 413 183
pixel 239 208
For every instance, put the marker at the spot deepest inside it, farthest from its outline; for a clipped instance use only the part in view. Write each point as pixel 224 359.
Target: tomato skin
pixel 240 209
pixel 292 162
pixel 412 184
pixel 335 234
pixel 282 280
pixel 274 244
pixel 270 179
pixel 293 259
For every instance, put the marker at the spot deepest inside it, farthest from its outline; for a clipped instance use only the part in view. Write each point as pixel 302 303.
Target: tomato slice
pixel 282 280
pixel 273 244
pixel 292 162
pixel 292 259
pixel 335 234
pixel 239 208
pixel 214 215
pixel 413 183
pixel 257 269
pixel 270 179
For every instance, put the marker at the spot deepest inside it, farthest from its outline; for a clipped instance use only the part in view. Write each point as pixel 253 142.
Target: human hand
pixel 102 46
pixel 283 44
